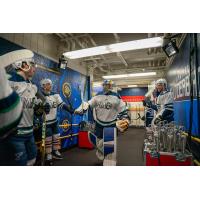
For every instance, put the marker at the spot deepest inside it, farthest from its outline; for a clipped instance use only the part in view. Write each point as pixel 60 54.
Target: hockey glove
pixel 38 109
pixel 122 125
pixel 143 118
pixel 47 108
pixel 82 108
pixel 144 103
pixel 68 108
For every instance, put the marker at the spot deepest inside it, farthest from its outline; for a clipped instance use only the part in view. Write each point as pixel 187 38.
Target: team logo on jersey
pixel 103 105
pixel 66 89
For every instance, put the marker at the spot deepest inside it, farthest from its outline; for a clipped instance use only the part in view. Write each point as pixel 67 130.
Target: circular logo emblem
pixel 66 125
pixel 66 89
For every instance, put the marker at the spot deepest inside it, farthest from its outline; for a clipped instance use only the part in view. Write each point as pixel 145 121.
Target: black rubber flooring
pixel 129 152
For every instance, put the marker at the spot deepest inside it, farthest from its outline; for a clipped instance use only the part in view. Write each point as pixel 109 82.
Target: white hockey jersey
pixel 165 105
pixel 26 91
pixel 55 101
pixel 10 106
pixel 108 108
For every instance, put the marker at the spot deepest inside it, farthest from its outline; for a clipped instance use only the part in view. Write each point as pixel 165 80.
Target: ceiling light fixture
pixel 117 47
pixel 129 75
pixel 130 86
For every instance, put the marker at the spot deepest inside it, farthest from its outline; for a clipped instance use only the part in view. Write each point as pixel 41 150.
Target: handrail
pixel 67 125
pixel 193 138
pixel 197 162
pixel 63 137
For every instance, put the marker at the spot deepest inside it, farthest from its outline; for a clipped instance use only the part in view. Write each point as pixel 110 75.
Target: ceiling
pixel 146 60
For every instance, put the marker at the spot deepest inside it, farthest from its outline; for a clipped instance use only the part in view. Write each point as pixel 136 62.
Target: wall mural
pixel 179 82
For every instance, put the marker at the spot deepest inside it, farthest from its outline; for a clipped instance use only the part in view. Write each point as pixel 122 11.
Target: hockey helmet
pixel 45 81
pixel 161 81
pixel 15 57
pixel 108 82
pixel 18 65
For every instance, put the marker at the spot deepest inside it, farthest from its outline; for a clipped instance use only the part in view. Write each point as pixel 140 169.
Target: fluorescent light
pixel 142 74
pixel 132 86
pixel 117 47
pixel 137 44
pixel 129 75
pixel 115 76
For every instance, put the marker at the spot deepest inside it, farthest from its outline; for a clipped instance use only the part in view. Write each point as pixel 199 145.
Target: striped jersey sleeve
pixel 10 106
pixel 59 101
pixel 122 110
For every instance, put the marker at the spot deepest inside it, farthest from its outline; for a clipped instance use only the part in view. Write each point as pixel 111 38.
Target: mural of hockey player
pixel 20 146
pixel 164 104
pixel 109 111
pixel 52 141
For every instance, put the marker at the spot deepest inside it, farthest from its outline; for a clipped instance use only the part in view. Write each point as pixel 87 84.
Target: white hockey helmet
pixel 108 85
pixel 15 56
pixel 45 81
pixel 18 65
pixel 108 82
pixel 161 81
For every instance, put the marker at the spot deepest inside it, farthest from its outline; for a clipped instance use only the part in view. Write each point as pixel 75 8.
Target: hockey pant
pixel 52 141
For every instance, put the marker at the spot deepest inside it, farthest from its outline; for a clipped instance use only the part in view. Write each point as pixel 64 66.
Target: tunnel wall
pixel 75 82
pixel 186 107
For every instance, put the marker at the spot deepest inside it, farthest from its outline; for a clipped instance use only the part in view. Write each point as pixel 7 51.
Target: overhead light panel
pixel 130 75
pixel 131 86
pixel 117 47
pixel 115 76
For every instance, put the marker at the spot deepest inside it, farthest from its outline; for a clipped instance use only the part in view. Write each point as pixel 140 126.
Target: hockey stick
pixel 43 148
pixel 67 125
pixel 82 93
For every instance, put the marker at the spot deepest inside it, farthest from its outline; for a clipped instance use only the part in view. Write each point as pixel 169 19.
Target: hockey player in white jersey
pixel 150 100
pixel 164 103
pixel 10 104
pixel 21 148
pixel 52 141
pixel 149 114
pixel 109 109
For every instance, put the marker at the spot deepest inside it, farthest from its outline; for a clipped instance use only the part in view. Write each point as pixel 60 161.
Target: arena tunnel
pixel 110 82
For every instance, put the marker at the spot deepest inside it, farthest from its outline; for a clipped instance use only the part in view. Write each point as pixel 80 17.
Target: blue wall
pixel 179 81
pixel 75 80
pixel 97 89
pixel 126 91
pixel 133 91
